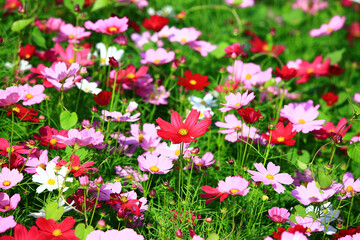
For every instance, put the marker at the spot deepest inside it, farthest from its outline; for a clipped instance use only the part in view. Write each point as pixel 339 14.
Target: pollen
pixel 266 48
pixel 154 169
pixel 198 164
pixel 269 176
pixel 183 40
pixel 10 149
pixel 349 188
pixel 27 56
pixel 71 60
pixel 177 152
pixel 86 89
pixel 102 60
pixel 237 104
pixel 57 233
pixel 16 109
pixel 301 121
pixel 112 29
pixel 248 76
pixel 192 82
pixel 6 183
pixel 75 168
pixel 71 36
pixel 310 70
pixel 203 102
pixel 237 128
pixel 51 182
pixel 233 191
pixel 156 61
pixel 329 30
pixel 280 139
pixel 130 76
pixel 43 166
pixel 141 137
pixel 183 131
pixel 53 141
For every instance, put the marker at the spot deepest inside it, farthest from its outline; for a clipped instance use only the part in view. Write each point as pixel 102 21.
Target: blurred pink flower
pixel 39 159
pixel 243 4
pixel 356 97
pixel 119 117
pixel 235 185
pixel 310 6
pixel 202 47
pixel 184 35
pixel 350 185
pixel 155 164
pixel 68 32
pixel 138 3
pixel 157 57
pixel 236 101
pixel 9 179
pixel 82 138
pixel 54 24
pixel 6 223
pixel 158 96
pixel 112 25
pixel 69 53
pixel 7 203
pixel 279 215
pixel 126 233
pixel 10 96
pixel 335 24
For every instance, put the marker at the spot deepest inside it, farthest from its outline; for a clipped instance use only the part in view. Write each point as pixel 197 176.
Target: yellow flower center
pixel 102 60
pixel 6 207
pixel 192 82
pixel 248 76
pixel 16 109
pixel 112 29
pixel 301 121
pixel 51 182
pixel 177 152
pixel 86 89
pixel 329 30
pixel 141 137
pixel 151 149
pixel 237 104
pixel 71 36
pixel 43 166
pixel 71 60
pixel 310 70
pixel 234 191
pixel 198 48
pixel 29 96
pixel 6 183
pixel 131 75
pixel 124 199
pixel 130 177
pixel 57 232
pixel 154 169
pixel 10 149
pixel 308 230
pixel 349 188
pixel 27 56
pixel 183 40
pixel 266 48
pixel 53 141
pixel 280 139
pixel 269 176
pixel 237 128
pixel 183 131
pixel 76 168
pixel 203 102
pixel 156 61
pixel 198 164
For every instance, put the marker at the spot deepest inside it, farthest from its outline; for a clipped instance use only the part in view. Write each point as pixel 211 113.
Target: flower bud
pixel 31 142
pixel 172 202
pixel 265 198
pixel 337 139
pixel 343 167
pixel 231 162
pixel 133 186
pixel 208 219
pixel 101 224
pixel 342 192
pixel 21 9
pixel 175 65
pixel 1 40
pixel 182 60
pixel 41 117
pixel 353 192
pixel 170 189
pixel 84 181
pixel 166 185
pixel 83 71
pixel 121 39
pixel 195 150
pixel 222 70
pixel 94 109
pixel 113 62
pixel 77 8
pixel 99 181
pixel 179 234
pixel 152 193
pixel 223 210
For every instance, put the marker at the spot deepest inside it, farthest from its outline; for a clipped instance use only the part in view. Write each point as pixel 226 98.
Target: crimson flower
pixel 249 115
pixel 285 73
pixel 155 22
pixel 346 232
pixel 329 129
pixel 212 194
pixel 80 202
pixel 193 82
pixel 21 233
pixel 53 230
pixel 281 135
pixel 234 50
pixel 46 137
pixel 330 98
pixel 317 68
pixel 76 168
pixel 23 113
pixel 5 148
pixel 27 52
pixel 178 132
pixel 103 98
pixel 294 229
pixel 335 70
pixel 260 46
pixel 127 205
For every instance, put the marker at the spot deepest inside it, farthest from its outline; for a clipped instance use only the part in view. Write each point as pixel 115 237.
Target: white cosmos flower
pixel 106 53
pixel 50 178
pixel 88 87
pixel 24 65
pixel 202 104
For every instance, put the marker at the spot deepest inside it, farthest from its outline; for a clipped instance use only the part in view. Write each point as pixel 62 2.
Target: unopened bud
pixel 273 31
pixel 182 60
pixel 133 186
pixel 41 117
pixel 172 202
pixel 175 65
pixel 353 192
pixel 31 142
pixel 113 62
pixel 342 192
pixel 208 220
pixel 265 198
pixel 195 150
pixel 1 40
pixel 99 181
pixel 231 162
pixel 343 167
pixel 21 9
pixel 101 224
pixel 337 139
pixel 84 181
pixel 94 109
pixel 77 8
pixel 222 70
pixel 170 189
pixel 152 193
pixel 179 234
pixel 83 71
pixel 166 185
pixel 223 210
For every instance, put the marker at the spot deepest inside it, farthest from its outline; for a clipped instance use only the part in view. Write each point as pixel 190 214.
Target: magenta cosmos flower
pixel 6 223
pixel 126 233
pixel 60 76
pixel 236 101
pixel 157 57
pixel 155 164
pixel 350 185
pixel 119 117
pixel 68 32
pixel 335 24
pixel 109 26
pixel 33 95
pixel 7 203
pixel 234 186
pixel 8 178
pixel 279 215
pixel 84 137
pixel 271 176
pixel 10 96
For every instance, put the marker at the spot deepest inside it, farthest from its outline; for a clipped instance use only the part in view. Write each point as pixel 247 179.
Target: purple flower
pixel 155 164
pixel 6 203
pixel 8 178
pixel 82 138
pixel 60 76
pixel 126 233
pixel 184 35
pixel 206 160
pixel 158 96
pixel 157 57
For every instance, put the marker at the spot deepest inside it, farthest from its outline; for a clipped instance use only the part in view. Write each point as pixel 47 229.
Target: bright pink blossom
pixel 112 25
pixel 279 215
pixel 126 233
pixel 10 96
pixel 61 77
pixel 350 185
pixel 68 55
pixel 184 35
pixel 155 164
pixel 236 101
pixel 85 137
pixel 68 32
pixel 33 95
pixel 202 47
pixel 7 203
pixel 6 223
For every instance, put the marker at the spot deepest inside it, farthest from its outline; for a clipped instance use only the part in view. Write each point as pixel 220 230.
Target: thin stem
pixel 348 218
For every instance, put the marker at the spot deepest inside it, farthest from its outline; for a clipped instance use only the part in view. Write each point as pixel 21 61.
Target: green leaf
pixel 293 17
pixel 213 236
pixel 38 37
pixel 236 2
pixel 335 56
pixel 53 211
pixel 149 45
pixel 356 109
pixel 20 24
pixel 324 177
pixel 271 82
pixel 303 159
pixel 99 4
pixel 354 152
pixel 82 232
pixel 68 119
pixel 219 52
pixel 70 4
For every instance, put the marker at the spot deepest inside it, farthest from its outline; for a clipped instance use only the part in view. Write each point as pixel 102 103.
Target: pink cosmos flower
pixel 144 38
pixel 312 194
pixel 279 215
pixel 271 176
pixel 350 185
pixel 6 223
pixel 202 47
pixel 206 160
pixel 302 116
pixel 39 159
pixel 119 117
pixel 243 4
pixel 126 233
pixel 292 236
pixel 310 6
pixel 236 101
pixel 54 24
pixel 112 25
pixel 60 76
pixel 235 185
pixel 69 55
pixel 10 96
pixel 68 32
pixel 166 32
pixel 356 97
pixel 155 164
pixel 310 223
pixel 157 57
pixel 84 137
pixel 8 178
pixel 184 35
pixel 107 189
pixel 6 203
pixel 158 96
pixel 33 95
pixel 335 24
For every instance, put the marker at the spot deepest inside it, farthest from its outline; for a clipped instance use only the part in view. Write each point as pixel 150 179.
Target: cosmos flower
pixel 202 47
pixel 243 4
pixel 281 134
pixel 350 185
pixel 46 137
pixel 21 233
pixel 61 77
pixel 234 50
pixel 193 81
pixel 158 57
pixel 155 23
pixel 82 138
pixel 103 98
pixel 236 101
pixel 309 223
pixel 7 203
pixel 69 53
pixel 126 233
pixel 155 164
pixel 184 35
pixel 88 87
pixel 310 6
pixel 53 230
pixel 68 32
pixel 33 95
pixel 112 25
pixel 27 52
pixel 329 129
pixel 39 159
pixel 119 117
pixel 330 98
pixel 279 215
pixel 249 115
pixel 6 223
pixel 9 179
pixel 261 46
pixel 10 96
pixel 285 73
pixel 335 24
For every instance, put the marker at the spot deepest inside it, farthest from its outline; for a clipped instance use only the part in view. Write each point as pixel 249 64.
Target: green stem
pixel 348 218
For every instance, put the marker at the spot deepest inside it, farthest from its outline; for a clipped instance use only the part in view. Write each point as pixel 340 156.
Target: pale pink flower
pixel 155 164
pixel 39 159
pixel 7 203
pixel 157 57
pixel 126 233
pixel 33 95
pixel 236 101
pixel 310 6
pixel 158 96
pixel 185 35
pixel 167 32
pixel 119 117
pixel 292 236
pixel 202 47
pixel 356 97
pixel 10 96
pixel 243 4
pixel 335 24
pixel 310 223
pixel 9 179
pixel 84 137
pixel 54 24
pixel 112 25
pixel 235 185
pixel 70 33
pixel 109 188
pixel 6 223
pixel 60 76
pixel 271 175
pixel 132 106
pixel 350 185
pixel 279 215
pixel 144 38
pixel 206 160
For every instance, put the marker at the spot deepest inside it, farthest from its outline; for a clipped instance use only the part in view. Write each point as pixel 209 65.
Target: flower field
pixel 191 119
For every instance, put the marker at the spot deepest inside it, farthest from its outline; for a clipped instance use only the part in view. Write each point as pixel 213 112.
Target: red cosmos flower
pixel 294 229
pixel 330 98
pixel 11 5
pixel 127 206
pixel 260 46
pixel 5 148
pixel 130 74
pixel 103 98
pixel 134 25
pixel 344 233
pixel 335 70
pixel 329 130
pixel 178 132
pixel 282 135
pixel 249 115
pixel 317 67
pixel 27 52
pixel 76 168
pixel 24 114
pixel 21 233
pixel 79 201
pixel 46 137
pixel 53 230
pixel 155 22
pixel 285 73
pixel 234 50
pixel 228 86
pixel 193 82
pixel 212 193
